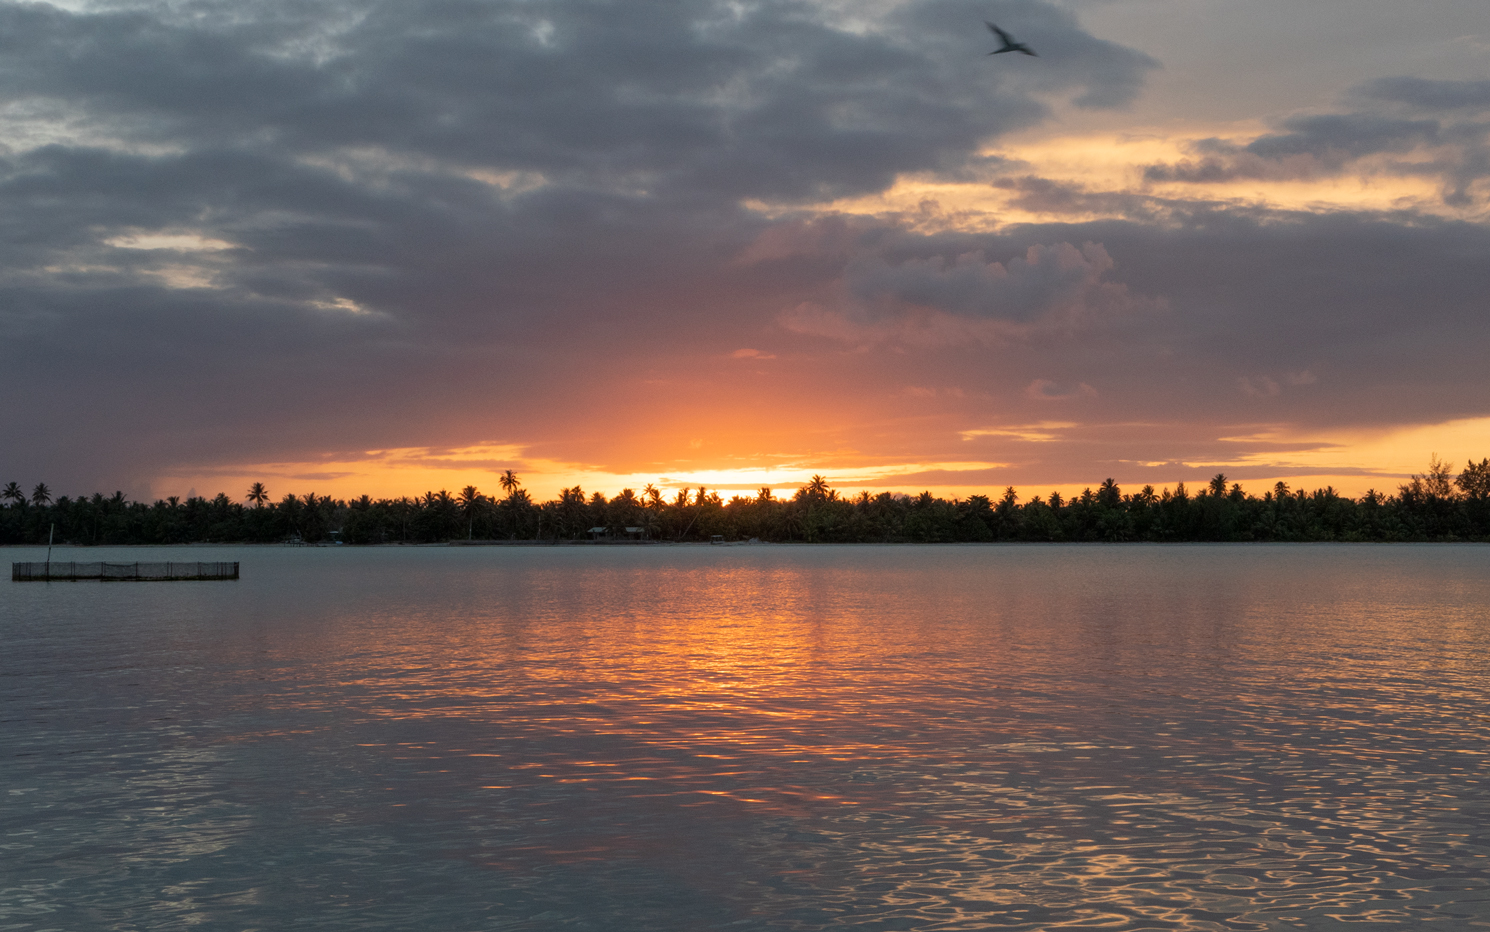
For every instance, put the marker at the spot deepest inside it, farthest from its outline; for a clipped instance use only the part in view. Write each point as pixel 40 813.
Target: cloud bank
pixel 292 232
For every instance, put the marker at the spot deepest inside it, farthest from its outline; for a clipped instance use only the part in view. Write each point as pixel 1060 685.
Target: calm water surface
pixel 768 737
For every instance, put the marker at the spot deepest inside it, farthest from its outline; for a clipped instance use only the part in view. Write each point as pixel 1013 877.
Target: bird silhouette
pixel 1009 44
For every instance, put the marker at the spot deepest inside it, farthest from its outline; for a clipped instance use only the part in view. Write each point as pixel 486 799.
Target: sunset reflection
pixel 1042 737
pixel 974 747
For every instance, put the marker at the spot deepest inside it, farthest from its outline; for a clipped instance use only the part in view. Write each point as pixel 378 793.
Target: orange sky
pixel 1350 463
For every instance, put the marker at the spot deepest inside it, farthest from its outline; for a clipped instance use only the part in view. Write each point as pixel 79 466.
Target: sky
pixel 392 247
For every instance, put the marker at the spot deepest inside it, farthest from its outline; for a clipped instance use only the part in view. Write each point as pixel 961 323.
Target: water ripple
pixel 1195 738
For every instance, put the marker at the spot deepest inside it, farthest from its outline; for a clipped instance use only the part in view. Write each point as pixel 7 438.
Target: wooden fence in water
pixel 57 571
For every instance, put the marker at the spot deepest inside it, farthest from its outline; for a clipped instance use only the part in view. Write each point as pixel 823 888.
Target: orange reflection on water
pixel 1108 732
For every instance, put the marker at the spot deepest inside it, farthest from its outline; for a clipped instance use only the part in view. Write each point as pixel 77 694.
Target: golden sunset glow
pixel 1090 171
pixel 1377 459
pixel 1351 462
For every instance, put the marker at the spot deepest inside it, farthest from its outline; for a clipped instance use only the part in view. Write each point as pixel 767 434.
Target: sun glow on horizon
pixel 1351 462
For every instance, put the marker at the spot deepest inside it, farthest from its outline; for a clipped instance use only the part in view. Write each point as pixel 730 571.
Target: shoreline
pixel 757 543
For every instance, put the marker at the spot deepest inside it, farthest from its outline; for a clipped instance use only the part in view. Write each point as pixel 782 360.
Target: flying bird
pixel 1009 44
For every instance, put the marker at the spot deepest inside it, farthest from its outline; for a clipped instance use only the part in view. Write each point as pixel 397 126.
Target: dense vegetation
pixel 1434 506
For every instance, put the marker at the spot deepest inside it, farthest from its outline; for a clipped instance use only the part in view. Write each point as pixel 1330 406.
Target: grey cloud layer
pixel 1425 94
pixel 1049 293
pixel 1316 320
pixel 667 97
pixel 426 202
pixel 410 223
pixel 400 154
pixel 1449 120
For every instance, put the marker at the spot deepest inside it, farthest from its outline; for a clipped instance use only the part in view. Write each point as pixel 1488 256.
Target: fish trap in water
pixel 56 571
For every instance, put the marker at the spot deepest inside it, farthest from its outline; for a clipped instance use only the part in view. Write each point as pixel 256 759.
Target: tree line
pixel 1432 506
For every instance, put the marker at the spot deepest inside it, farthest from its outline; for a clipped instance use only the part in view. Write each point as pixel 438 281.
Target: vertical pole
pixel 50 534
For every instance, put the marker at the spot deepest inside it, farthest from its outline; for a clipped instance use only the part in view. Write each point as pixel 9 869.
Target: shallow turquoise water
pixel 768 737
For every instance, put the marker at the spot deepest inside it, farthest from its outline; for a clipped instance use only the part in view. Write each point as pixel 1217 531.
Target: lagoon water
pixel 761 737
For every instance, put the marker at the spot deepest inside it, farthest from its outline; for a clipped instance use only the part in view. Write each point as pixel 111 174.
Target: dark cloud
pixel 404 145
pixel 1050 288
pixel 668 97
pixel 1314 146
pixel 1390 121
pixel 1315 319
pixel 1346 136
pixel 1047 196
pixel 1425 94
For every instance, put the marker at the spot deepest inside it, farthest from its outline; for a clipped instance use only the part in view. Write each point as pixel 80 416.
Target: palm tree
pixel 623 510
pixel 509 482
pixel 12 492
pixel 445 508
pixel 817 490
pixel 518 507
pixel 41 495
pixel 470 503
pixel 402 509
pixel 1110 496
pixel 258 494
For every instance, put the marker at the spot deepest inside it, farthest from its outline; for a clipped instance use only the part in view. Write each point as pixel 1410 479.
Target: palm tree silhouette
pixel 41 495
pixel 258 494
pixel 509 482
pixel 817 489
pixel 13 492
pixel 445 507
pixel 470 503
